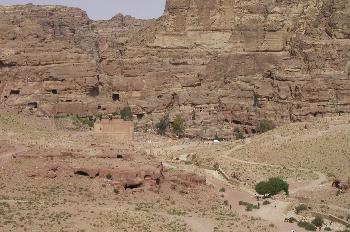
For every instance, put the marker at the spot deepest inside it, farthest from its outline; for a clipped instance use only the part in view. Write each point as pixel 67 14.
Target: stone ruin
pixel 118 128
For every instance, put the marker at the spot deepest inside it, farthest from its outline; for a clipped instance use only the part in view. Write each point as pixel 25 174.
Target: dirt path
pixel 273 213
pixel 197 224
pixel 309 186
pixel 17 150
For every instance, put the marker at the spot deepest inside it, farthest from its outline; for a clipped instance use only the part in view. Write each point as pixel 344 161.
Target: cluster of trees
pixel 177 127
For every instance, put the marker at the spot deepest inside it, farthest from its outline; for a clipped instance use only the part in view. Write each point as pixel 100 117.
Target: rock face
pixel 221 64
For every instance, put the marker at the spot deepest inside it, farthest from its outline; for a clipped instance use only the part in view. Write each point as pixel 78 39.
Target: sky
pixel 105 9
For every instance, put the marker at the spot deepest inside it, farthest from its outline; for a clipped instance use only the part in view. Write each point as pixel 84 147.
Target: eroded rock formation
pixel 221 64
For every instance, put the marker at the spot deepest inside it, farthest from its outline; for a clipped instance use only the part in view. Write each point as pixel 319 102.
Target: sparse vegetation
pixel 162 125
pixel 266 202
pixel 291 220
pixel 300 208
pixel 249 206
pixel 307 226
pixel 238 134
pixel 217 138
pixel 126 113
pixel 264 126
pixel 272 187
pixel 176 212
pixel 318 221
pixel 178 125
pixel 80 122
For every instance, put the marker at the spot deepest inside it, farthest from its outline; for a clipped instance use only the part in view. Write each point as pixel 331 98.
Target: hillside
pixel 219 64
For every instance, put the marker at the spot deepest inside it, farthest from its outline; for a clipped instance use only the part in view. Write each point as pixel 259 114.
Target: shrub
pixel 264 126
pixel 222 190
pixel 272 187
pixel 178 125
pixel 238 134
pixel 307 226
pixel 126 113
pixel 327 229
pixel 266 202
pixel 109 176
pixel 176 212
pixel 217 138
pixel 291 220
pixel 300 208
pixel 83 121
pixel 163 125
pixel 318 221
pixel 249 206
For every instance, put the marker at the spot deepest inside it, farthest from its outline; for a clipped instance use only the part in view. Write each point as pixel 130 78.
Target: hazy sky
pixel 105 9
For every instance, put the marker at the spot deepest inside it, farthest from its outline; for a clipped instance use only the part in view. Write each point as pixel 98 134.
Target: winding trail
pixel 275 213
pixel 309 186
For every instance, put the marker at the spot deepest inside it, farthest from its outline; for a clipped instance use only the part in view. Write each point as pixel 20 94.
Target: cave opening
pixel 15 92
pixel 116 97
pixel 33 105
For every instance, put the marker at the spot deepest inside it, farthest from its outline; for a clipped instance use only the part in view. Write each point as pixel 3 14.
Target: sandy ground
pixel 307 155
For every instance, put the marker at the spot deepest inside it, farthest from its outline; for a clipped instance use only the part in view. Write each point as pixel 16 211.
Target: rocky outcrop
pixel 48 59
pixel 121 178
pixel 220 64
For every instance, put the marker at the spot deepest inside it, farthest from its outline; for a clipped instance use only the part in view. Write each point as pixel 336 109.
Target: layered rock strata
pixel 221 64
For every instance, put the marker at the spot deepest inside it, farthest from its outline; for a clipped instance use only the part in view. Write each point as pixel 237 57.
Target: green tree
pixel 178 125
pixel 126 113
pixel 272 187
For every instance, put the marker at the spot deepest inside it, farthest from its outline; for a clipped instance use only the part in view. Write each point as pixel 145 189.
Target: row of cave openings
pixel 14 92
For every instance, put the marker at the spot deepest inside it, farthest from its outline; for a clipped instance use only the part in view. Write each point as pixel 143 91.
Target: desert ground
pixel 46 182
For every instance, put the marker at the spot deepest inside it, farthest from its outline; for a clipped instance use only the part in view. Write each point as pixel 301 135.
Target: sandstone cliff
pixel 220 63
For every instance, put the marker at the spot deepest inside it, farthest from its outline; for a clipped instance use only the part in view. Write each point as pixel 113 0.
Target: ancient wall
pixel 118 128
pixel 220 63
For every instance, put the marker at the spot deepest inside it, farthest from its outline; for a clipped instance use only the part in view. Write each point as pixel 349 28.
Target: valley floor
pixel 36 197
